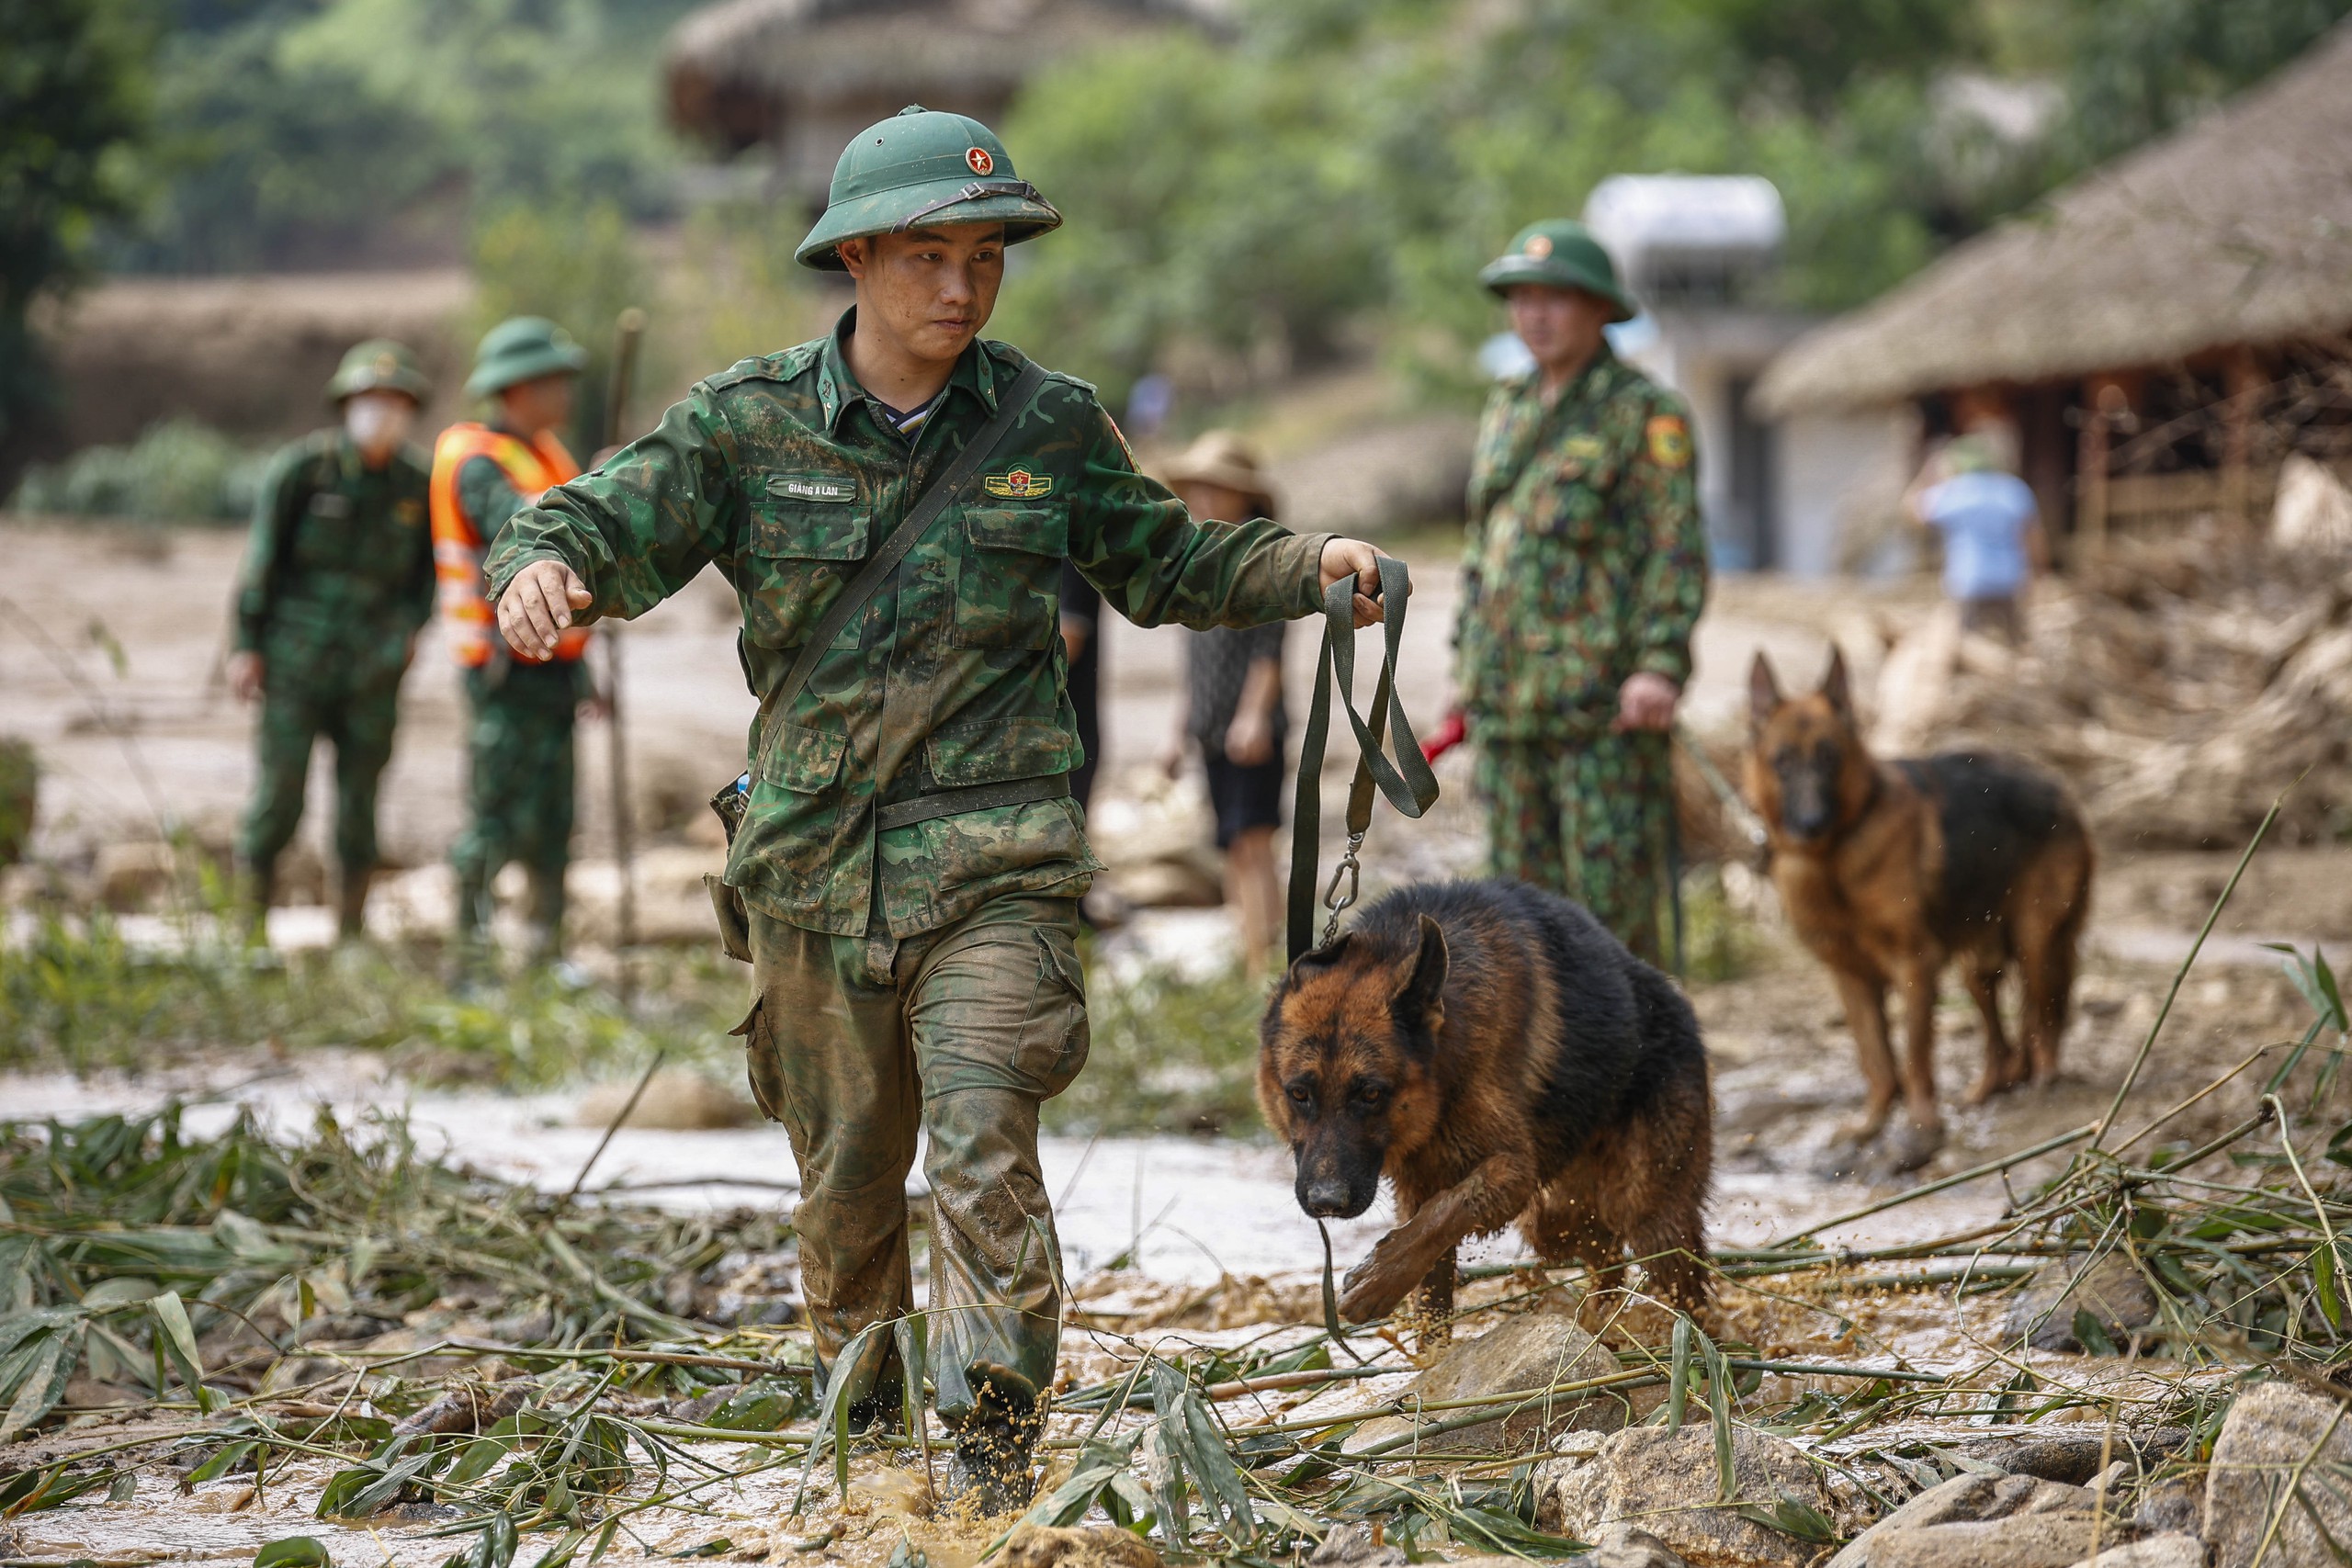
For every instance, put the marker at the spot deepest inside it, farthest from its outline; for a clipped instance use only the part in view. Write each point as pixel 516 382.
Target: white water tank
pixel 1688 237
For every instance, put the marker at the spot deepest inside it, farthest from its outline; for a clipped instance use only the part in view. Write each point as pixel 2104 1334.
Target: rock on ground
pixel 678 1100
pixel 1624 1546
pixel 2074 1457
pixel 2157 1551
pixel 1351 1545
pixel 1982 1521
pixel 2112 1289
pixel 1666 1482
pixel 1532 1351
pixel 1102 1545
pixel 2272 1432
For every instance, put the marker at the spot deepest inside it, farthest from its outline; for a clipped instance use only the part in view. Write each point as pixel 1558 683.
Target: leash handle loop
pixel 1408 782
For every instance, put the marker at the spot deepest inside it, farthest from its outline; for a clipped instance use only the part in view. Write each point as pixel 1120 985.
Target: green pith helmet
pixel 1564 254
pixel 380 364
pixel 522 348
pixel 923 166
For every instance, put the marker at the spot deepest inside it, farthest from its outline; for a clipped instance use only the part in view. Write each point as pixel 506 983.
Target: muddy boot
pixel 476 963
pixel 547 918
pixel 1908 1145
pixel 351 906
pixel 256 889
pixel 991 1473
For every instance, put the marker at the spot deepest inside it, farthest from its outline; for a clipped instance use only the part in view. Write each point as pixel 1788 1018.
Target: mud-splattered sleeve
pixel 640 527
pixel 1133 541
pixel 1663 489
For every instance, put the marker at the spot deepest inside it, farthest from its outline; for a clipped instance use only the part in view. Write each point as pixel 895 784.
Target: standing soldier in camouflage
pixel 522 705
pixel 337 581
pixel 1584 574
pixel 909 857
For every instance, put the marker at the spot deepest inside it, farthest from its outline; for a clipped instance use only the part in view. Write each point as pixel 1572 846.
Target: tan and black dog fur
pixel 1891 870
pixel 1498 1056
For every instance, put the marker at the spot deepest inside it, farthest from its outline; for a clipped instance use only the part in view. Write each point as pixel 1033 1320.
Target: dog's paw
pixel 1378 1285
pixel 1910 1146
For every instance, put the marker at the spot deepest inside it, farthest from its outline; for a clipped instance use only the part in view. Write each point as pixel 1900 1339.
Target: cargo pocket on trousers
pixel 1059 1033
pixel 760 1064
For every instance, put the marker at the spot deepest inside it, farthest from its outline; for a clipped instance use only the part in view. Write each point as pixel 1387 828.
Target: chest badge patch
pixel 1018 484
pixel 1669 441
pixel 409 513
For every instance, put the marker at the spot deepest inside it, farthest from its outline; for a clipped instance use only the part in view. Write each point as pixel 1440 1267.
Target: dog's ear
pixel 1317 960
pixel 1420 996
pixel 1833 686
pixel 1763 691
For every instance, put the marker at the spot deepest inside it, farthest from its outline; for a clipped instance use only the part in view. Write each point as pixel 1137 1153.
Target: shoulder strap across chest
pixel 935 500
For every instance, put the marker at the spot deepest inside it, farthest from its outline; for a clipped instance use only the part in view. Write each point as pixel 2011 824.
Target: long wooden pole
pixel 628 331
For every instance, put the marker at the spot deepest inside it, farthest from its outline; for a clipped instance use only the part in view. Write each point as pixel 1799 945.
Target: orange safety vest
pixel 530 467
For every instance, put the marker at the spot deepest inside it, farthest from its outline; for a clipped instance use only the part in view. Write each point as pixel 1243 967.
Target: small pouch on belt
pixel 734 921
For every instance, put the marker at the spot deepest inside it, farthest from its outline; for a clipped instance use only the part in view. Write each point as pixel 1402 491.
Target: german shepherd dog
pixel 1498 1056
pixel 1891 870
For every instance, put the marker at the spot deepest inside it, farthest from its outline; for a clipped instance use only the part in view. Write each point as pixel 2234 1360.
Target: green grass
pixel 76 996
pixel 1171 1055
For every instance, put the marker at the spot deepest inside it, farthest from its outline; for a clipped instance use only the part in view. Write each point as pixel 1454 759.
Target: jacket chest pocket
pixel 1580 480
pixel 1009 582
pixel 327 531
pixel 805 533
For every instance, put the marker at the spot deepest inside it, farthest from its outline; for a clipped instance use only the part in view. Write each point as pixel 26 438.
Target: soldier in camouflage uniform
pixel 337 580
pixel 1584 574
pixel 520 710
pixel 910 858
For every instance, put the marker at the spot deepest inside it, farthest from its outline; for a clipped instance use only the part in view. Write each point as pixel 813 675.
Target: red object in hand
pixel 1451 732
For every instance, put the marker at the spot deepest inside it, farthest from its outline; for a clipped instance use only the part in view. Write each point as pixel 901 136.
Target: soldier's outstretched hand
pixel 539 604
pixel 246 675
pixel 1353 558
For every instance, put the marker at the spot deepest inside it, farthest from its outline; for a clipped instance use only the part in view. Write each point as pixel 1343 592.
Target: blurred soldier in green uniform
pixel 337 580
pixel 909 857
pixel 1584 573
pixel 521 706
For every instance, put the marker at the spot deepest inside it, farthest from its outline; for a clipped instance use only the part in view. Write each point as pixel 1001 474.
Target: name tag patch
pixel 327 503
pixel 812 487
pixel 1017 484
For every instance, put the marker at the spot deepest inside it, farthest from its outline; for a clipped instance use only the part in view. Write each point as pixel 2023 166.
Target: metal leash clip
pixel 1351 868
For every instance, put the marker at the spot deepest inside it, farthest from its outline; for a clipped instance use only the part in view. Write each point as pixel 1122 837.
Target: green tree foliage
pixel 1352 156
pixel 71 105
pixel 573 263
pixel 292 131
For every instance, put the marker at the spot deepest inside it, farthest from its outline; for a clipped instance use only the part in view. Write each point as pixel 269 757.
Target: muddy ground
pixel 138 619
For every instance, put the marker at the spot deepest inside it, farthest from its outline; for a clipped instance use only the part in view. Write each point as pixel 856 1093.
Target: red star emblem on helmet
pixel 980 160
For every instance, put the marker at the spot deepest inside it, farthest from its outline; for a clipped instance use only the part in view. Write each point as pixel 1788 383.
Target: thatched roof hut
pixel 2176 284
pixel 2236 230
pixel 803 76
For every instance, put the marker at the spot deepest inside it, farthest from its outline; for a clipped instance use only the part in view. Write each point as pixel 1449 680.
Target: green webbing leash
pixel 1408 782
pixel 1331 1299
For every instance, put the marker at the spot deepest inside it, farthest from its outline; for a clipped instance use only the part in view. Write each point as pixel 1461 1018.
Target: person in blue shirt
pixel 1991 533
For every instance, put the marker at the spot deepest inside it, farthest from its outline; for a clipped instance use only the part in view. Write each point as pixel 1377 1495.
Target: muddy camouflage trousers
pixel 354 706
pixel 1587 818
pixel 855 1043
pixel 519 744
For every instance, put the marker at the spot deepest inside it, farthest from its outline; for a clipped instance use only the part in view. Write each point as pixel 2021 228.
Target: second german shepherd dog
pixel 1498 1056
pixel 1891 870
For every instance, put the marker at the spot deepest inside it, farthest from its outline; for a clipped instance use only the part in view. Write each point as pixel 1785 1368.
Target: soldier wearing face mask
pixel 337 581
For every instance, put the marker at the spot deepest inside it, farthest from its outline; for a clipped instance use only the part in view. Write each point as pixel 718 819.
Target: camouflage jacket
pixel 1586 561
pixel 781 471
pixel 340 559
